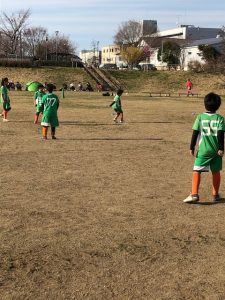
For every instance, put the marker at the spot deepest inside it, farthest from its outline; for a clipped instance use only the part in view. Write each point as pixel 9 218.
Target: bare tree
pixel 63 44
pixel 12 27
pixel 34 39
pixel 128 33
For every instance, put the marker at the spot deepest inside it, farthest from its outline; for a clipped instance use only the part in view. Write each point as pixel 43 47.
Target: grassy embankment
pixel 132 81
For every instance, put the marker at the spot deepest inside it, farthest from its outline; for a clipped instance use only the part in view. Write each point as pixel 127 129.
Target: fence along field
pixel 98 213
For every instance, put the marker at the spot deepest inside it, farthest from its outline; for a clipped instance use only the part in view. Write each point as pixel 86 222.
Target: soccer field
pixel 98 213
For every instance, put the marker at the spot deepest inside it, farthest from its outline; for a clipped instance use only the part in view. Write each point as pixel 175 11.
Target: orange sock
pixel 215 182
pixel 196 177
pixel 44 131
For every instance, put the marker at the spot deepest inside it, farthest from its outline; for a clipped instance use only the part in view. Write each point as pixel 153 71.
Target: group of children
pixel 208 132
pixel 47 104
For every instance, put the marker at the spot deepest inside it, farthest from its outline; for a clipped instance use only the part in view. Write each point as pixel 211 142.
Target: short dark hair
pixel 212 102
pixel 50 87
pixel 5 79
pixel 119 92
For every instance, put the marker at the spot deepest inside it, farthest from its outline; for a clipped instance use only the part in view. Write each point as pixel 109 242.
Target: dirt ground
pixel 98 213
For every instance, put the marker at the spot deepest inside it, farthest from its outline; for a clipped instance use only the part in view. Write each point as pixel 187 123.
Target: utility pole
pixel 56 44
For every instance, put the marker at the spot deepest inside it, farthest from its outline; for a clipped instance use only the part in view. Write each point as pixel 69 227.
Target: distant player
pixel 189 86
pixel 117 106
pixel 38 102
pixel 50 104
pixel 208 131
pixel 5 98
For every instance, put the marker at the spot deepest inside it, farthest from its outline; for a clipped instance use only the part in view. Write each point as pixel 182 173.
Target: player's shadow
pixel 155 122
pixel 74 123
pixel 71 123
pixel 111 139
pixel 222 201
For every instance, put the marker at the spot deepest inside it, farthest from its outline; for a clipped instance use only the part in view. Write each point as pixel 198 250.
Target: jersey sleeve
pixel 197 124
pixel 221 125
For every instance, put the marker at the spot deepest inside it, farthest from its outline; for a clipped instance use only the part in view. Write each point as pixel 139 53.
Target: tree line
pixel 17 39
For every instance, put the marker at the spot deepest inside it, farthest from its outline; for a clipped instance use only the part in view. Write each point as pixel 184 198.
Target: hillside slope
pixel 55 75
pixel 131 81
pixel 169 81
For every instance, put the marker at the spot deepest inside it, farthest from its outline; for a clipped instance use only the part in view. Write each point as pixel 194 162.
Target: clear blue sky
pixel 87 20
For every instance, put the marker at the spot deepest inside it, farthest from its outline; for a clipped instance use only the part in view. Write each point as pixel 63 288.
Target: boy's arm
pixel 194 138
pixel 220 136
pixel 112 103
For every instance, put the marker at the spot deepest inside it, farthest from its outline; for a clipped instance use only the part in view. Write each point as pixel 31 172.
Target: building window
pixel 189 53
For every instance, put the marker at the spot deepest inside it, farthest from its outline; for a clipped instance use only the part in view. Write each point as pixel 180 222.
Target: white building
pixel 191 51
pixel 111 55
pixel 188 37
pixel 90 56
pixel 189 33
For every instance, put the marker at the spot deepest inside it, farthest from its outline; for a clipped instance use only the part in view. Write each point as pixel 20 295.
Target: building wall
pixel 110 54
pixel 189 32
pixel 88 55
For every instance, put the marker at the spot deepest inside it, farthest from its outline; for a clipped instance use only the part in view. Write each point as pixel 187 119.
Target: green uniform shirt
pixel 208 125
pixel 207 157
pixel 51 104
pixel 5 98
pixel 117 105
pixel 38 98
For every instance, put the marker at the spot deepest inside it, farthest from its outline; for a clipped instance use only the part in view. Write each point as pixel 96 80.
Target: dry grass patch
pixel 98 213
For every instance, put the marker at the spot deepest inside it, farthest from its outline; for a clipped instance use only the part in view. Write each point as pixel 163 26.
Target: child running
pixel 208 130
pixel 38 102
pixel 117 106
pixel 5 98
pixel 50 104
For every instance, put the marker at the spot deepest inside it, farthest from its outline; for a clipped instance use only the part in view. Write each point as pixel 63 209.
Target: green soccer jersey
pixel 38 97
pixel 4 94
pixel 208 125
pixel 5 98
pixel 51 104
pixel 117 104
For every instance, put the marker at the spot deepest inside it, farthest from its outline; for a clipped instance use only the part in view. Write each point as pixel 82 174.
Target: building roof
pixel 211 41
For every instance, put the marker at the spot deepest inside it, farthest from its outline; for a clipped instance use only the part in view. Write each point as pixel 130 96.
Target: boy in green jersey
pixel 38 102
pixel 5 98
pixel 117 106
pixel 50 104
pixel 208 130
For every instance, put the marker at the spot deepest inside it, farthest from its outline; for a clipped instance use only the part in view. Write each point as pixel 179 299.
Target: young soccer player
pixel 117 106
pixel 208 130
pixel 38 102
pixel 189 86
pixel 50 104
pixel 5 98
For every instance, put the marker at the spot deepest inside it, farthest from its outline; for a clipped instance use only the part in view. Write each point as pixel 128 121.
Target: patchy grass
pixel 98 213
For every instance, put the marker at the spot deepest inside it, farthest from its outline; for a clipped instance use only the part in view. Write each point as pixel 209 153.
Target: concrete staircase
pixel 100 76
